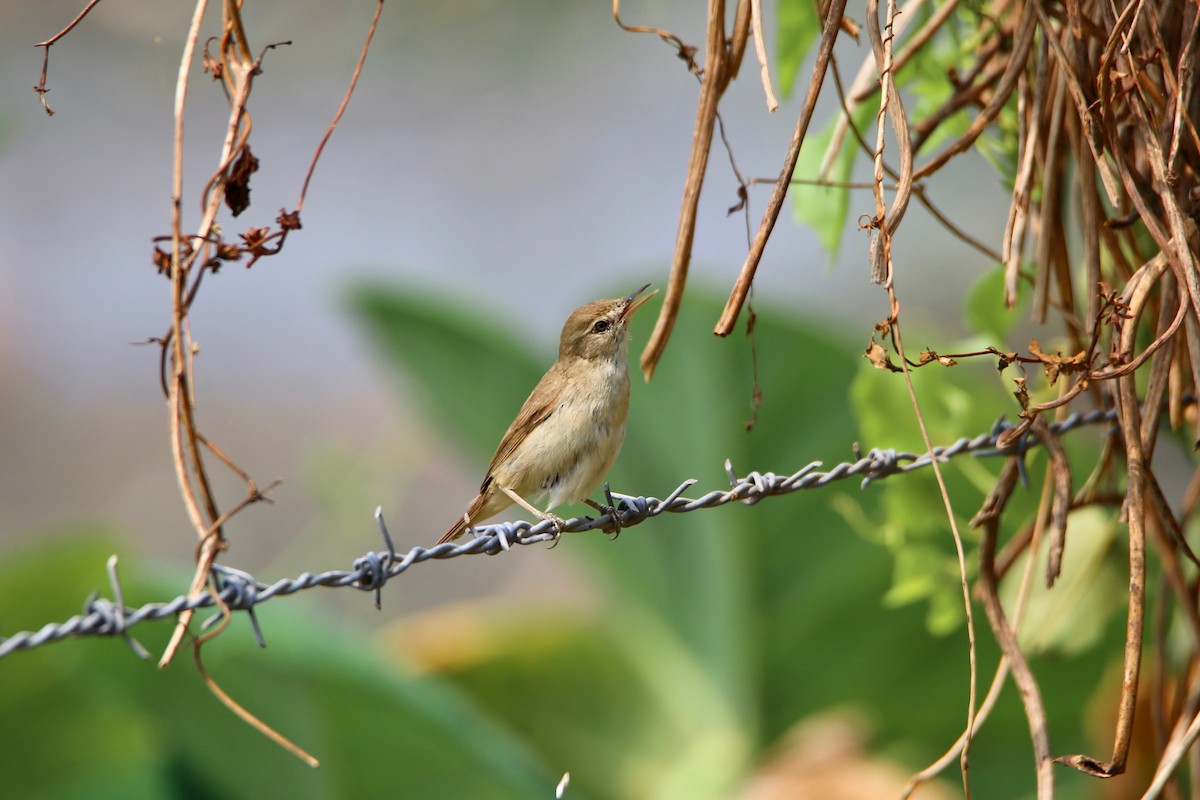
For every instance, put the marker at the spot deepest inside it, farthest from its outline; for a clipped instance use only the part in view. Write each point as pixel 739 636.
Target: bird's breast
pixel 567 456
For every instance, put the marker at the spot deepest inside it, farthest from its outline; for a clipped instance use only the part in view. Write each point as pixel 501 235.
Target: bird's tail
pixel 474 511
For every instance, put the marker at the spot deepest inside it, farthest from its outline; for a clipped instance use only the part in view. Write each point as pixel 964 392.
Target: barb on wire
pixel 240 591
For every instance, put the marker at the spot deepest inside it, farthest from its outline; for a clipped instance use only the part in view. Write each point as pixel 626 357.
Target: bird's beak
pixel 633 302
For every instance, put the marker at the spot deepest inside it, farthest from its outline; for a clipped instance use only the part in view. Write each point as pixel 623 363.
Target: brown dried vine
pixel 187 258
pixel 1101 232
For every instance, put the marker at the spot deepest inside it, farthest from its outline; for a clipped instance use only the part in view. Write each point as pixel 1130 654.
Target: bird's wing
pixel 531 416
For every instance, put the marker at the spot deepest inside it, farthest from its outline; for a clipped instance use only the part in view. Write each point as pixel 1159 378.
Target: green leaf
pixel 1072 617
pixel 474 373
pixel 986 312
pixel 954 400
pixel 913 512
pixel 825 208
pixel 797 27
pixel 1000 144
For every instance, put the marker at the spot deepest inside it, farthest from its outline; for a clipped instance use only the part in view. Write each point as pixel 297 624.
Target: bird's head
pixel 599 330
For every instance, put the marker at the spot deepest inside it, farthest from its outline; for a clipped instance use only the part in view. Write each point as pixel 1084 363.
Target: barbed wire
pixel 240 591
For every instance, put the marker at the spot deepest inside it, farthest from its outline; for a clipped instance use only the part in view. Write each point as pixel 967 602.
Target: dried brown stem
pixel 176 394
pixel 720 65
pixel 760 50
pixel 190 258
pixel 1004 89
pixel 1027 541
pixel 46 45
pixel 741 288
pixel 988 522
pixel 362 59
pixel 712 85
pixel 1060 471
pixel 250 719
pixel 1129 415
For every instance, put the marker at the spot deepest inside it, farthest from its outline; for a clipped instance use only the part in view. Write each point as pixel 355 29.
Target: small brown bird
pixel 568 433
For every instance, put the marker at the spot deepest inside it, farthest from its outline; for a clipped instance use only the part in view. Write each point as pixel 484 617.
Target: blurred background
pixel 519 158
pixel 499 164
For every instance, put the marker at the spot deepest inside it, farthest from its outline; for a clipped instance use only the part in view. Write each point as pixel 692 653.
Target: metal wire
pixel 240 591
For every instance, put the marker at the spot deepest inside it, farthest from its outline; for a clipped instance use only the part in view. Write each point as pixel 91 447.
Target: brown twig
pixel 866 82
pixel 720 65
pixel 685 51
pixel 1004 89
pixel 760 50
pixel 846 122
pixel 988 520
pixel 362 59
pixel 1130 419
pixel 192 257
pixel 1027 541
pixel 912 47
pixel 175 384
pixel 887 220
pixel 884 226
pixel 46 45
pixel 741 288
pixel 250 719
pixel 1060 470
pixel 184 434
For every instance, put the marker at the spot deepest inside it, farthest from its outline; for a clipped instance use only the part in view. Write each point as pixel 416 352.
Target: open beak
pixel 633 302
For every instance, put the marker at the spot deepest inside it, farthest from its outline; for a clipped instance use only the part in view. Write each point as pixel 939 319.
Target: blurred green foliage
pixel 87 719
pixel 796 27
pixel 721 629
pixel 985 311
pixel 825 208
pixel 716 632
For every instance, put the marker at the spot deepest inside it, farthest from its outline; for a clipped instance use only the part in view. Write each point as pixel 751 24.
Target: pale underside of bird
pixel 569 431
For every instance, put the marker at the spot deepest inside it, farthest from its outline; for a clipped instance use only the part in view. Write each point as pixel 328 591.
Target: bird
pixel 568 433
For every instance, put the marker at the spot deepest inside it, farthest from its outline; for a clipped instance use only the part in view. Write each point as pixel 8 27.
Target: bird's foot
pixel 614 525
pixel 558 522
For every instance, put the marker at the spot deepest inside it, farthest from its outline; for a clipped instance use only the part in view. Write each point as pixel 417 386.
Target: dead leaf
pixel 1057 364
pixel 237 185
pixel 1022 392
pixel 288 220
pixel 878 356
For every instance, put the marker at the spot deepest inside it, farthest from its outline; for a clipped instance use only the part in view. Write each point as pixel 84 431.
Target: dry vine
pixel 1101 232
pixel 193 253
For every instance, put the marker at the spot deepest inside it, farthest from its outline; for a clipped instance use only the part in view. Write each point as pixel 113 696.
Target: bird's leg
pixel 470 528
pixel 558 522
pixel 614 526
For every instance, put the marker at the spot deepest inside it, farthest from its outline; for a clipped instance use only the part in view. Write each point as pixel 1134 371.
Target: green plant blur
pixel 719 630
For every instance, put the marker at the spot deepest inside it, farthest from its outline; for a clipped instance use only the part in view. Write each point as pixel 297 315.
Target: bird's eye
pixel 601 326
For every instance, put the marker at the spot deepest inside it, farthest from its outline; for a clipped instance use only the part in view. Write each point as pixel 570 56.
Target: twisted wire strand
pixel 240 591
